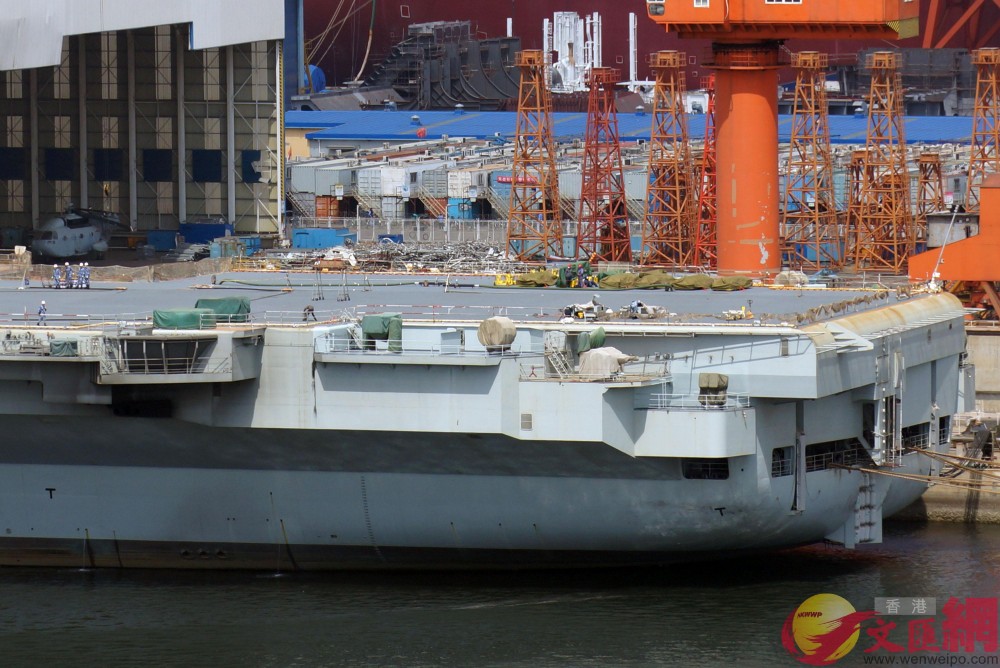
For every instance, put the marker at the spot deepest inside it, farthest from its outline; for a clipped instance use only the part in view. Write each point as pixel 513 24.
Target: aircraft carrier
pixel 414 424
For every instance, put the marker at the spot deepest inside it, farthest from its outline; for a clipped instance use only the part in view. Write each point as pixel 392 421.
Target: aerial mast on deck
pixel 985 157
pixel 604 229
pixel 883 234
pixel 810 239
pixel 534 230
pixel 668 228
pixel 705 238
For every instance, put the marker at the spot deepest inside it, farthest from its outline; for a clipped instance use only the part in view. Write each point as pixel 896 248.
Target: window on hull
pixel 699 468
pixel 781 461
pixel 844 452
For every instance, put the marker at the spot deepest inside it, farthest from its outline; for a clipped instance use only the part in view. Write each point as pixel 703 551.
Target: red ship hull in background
pixel 337 32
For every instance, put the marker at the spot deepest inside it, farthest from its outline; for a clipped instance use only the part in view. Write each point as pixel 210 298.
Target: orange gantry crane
pixel 603 234
pixel 534 229
pixel 746 46
pixel 970 264
pixel 668 226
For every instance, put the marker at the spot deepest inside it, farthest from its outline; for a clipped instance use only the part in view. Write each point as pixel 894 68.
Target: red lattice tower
pixel 668 228
pixel 985 157
pixel 534 230
pixel 855 181
pixel 705 239
pixel 810 238
pixel 604 230
pixel 885 234
pixel 930 190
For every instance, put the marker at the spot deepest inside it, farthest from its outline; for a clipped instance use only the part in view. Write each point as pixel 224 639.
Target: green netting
pixel 184 318
pixel 229 309
pixel 731 283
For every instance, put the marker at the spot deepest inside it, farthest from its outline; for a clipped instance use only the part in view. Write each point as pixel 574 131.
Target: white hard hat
pixel 596 296
pixel 43 302
pixel 55 266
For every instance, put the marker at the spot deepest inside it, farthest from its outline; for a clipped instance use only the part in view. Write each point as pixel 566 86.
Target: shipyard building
pixel 161 112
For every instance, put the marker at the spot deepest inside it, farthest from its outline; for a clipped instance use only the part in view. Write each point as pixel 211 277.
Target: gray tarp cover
pixel 603 362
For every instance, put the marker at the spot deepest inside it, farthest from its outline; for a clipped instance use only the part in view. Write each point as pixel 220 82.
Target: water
pixel 718 614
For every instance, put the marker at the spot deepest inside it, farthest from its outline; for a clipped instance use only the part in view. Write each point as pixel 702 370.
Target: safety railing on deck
pixel 354 346
pixel 699 402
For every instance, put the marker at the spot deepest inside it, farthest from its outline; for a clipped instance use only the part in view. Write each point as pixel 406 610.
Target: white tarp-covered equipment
pixel 603 362
pixel 497 332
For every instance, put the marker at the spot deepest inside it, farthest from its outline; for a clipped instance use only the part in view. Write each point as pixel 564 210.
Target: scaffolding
pixel 668 227
pixel 604 229
pixel 810 236
pixel 883 235
pixel 705 239
pixel 985 156
pixel 534 231
pixel 930 190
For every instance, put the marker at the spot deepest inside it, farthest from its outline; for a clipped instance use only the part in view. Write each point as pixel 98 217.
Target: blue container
pixel 322 237
pixel 251 245
pixel 203 233
pixel 215 250
pixel 460 208
pixel 162 240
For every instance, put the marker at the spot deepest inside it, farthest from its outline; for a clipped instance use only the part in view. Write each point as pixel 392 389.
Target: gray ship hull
pixel 315 446
pixel 370 500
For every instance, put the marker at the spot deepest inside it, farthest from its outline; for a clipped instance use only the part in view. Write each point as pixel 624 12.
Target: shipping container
pixel 327 206
pixel 435 182
pixel 469 182
pixel 312 237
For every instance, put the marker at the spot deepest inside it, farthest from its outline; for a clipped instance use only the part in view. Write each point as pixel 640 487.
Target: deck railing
pixel 699 402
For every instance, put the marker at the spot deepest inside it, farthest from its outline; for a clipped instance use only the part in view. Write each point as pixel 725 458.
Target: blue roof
pixel 398 126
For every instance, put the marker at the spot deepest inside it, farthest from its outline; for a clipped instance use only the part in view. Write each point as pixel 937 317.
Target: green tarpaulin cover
pixel 184 318
pixel 536 279
pixel 63 348
pixel 229 309
pixel 694 282
pixel 383 327
pixel 731 283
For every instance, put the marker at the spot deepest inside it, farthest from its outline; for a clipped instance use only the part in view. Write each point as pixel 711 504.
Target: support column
pixel 279 105
pixel 81 94
pixel 33 150
pixel 747 158
pixel 181 133
pixel 231 138
pixel 133 163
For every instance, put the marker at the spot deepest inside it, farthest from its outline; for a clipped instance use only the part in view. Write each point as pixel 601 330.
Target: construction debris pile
pixel 470 257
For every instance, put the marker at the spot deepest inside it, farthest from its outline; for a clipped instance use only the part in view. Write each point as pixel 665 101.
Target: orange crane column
pixel 747 158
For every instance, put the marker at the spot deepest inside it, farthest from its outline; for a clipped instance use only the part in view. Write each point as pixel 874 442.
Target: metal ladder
pixel 557 358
